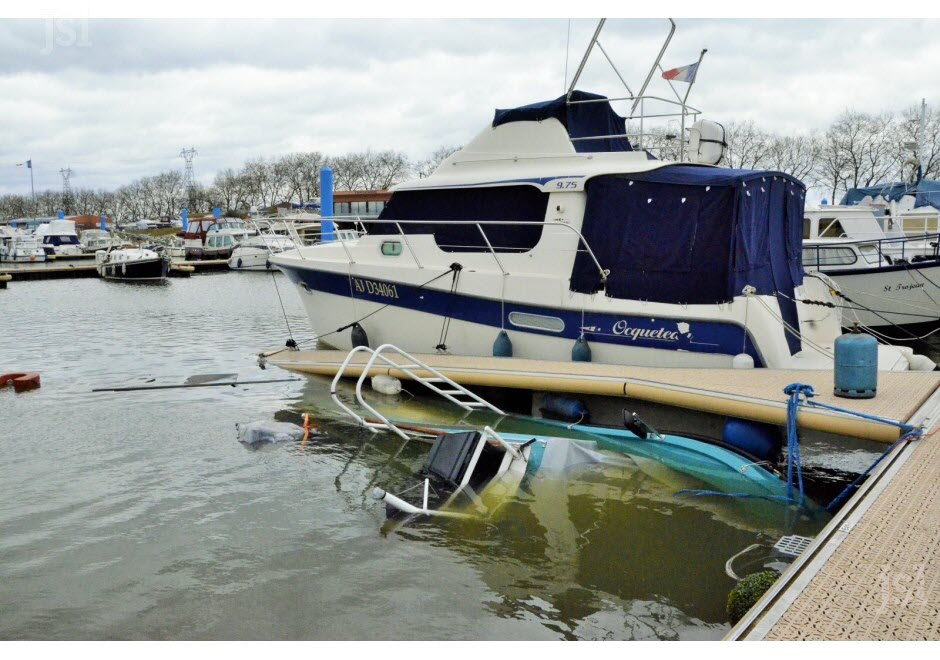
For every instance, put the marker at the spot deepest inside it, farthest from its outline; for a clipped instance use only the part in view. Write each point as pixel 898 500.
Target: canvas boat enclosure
pixel 924 192
pixel 690 235
pixel 591 122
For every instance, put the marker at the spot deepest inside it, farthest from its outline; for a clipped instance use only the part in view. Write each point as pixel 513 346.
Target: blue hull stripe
pixel 622 330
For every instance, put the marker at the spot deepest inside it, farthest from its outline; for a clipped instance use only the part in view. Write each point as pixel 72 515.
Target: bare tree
pixel 908 140
pixel 427 166
pixel 749 147
pixel 794 155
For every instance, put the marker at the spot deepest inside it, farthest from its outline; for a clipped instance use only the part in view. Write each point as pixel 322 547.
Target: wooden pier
pixel 81 267
pixel 872 574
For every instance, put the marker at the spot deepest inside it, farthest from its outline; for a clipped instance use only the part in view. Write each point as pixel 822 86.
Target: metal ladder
pixel 437 383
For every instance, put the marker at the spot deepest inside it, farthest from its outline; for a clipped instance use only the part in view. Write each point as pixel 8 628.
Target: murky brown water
pixel 139 515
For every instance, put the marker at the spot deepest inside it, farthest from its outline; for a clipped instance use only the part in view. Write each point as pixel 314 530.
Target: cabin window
pixel 807 228
pixel 536 321
pixel 511 217
pixel 870 253
pixel 391 248
pixel 822 257
pixel 830 228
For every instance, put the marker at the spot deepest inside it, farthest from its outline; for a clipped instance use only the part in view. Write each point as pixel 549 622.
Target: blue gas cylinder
pixel 856 366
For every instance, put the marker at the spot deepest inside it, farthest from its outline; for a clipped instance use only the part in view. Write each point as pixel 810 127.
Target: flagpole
pixel 32 188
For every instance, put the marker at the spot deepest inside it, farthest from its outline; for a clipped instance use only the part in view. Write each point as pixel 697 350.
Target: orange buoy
pixel 21 382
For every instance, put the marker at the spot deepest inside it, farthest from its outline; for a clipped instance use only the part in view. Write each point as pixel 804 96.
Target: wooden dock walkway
pixel 752 394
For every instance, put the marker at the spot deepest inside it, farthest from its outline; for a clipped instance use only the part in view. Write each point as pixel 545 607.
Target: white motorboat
pixel 93 240
pixel 213 238
pixel 59 239
pixel 254 251
pixel 18 246
pixel 888 277
pixel 132 264
pixel 552 236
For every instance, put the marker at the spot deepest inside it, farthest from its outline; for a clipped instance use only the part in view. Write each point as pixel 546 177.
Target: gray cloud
pixel 118 99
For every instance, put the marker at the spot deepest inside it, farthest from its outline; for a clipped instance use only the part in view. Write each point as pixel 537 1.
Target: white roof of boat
pixel 538 153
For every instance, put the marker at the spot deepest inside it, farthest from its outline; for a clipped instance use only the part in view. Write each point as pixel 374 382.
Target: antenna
pixel 189 181
pixel 66 188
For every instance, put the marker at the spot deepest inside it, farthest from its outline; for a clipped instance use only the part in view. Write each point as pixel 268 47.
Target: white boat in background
pixel 59 239
pixel 93 240
pixel 888 277
pixel 18 246
pixel 254 252
pixel 551 235
pixel 131 264
pixel 213 238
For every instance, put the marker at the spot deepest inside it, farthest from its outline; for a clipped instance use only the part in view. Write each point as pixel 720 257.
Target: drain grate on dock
pixel 792 545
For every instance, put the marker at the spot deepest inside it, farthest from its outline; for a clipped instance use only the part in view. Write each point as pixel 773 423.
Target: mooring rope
pixel 297 344
pixel 799 393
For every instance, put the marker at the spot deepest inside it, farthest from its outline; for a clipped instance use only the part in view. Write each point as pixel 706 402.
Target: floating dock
pixel 755 394
pixel 873 573
pixel 80 267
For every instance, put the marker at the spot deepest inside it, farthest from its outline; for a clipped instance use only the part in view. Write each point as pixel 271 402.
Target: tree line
pixel 858 149
pixel 260 182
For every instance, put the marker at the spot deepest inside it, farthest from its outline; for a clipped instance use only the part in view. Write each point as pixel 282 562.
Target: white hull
pixel 906 296
pixel 250 259
pixel 420 332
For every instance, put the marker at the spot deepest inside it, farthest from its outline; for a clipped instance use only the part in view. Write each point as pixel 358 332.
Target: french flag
pixel 682 73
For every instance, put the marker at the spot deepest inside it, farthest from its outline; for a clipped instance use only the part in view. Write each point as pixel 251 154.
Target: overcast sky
pixel 116 100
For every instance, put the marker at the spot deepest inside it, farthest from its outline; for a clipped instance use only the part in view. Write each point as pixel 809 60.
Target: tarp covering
pixel 926 193
pixel 694 235
pixel 581 120
pixel 519 203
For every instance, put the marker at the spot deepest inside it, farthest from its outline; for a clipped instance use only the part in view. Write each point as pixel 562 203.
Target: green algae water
pixel 138 515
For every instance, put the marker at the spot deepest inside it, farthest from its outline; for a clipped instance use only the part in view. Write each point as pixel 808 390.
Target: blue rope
pixel 718 493
pixel 796 391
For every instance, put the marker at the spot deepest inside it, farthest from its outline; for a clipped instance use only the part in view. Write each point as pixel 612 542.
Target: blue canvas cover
pixel 926 193
pixel 581 120
pixel 694 235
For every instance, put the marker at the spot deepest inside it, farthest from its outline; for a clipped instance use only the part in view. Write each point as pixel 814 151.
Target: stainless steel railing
pixel 361 225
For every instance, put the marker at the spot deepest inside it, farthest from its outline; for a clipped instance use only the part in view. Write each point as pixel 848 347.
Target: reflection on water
pixel 139 515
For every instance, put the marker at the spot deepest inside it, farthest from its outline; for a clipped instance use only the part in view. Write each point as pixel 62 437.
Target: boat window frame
pixel 833 223
pixel 515 316
pixel 396 244
pixel 818 250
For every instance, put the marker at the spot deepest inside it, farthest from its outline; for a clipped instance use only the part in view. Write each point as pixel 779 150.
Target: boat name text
pixel 623 328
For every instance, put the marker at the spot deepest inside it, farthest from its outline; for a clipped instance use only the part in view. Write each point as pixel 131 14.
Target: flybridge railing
pixel 344 236
pixel 677 109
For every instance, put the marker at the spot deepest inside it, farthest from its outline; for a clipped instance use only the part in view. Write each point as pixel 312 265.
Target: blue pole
pixel 60 214
pixel 326 204
pixel 184 218
pixel 104 223
pixel 216 212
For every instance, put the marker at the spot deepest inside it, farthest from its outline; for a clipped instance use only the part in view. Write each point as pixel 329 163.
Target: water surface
pixel 138 515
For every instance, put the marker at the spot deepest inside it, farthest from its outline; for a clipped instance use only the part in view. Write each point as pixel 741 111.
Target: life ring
pixel 21 381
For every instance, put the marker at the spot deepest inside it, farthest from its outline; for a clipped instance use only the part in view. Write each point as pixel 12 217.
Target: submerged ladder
pixel 436 382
